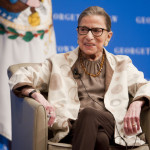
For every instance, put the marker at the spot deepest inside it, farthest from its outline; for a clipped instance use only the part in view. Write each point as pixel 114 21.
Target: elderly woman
pixel 88 89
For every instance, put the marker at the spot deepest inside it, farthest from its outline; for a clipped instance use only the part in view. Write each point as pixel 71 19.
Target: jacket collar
pixel 73 56
pixel 110 64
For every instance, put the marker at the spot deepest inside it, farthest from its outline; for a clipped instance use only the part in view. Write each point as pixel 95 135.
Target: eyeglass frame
pixel 90 29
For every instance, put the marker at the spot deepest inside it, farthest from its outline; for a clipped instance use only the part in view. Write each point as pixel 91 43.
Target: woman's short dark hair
pixel 96 10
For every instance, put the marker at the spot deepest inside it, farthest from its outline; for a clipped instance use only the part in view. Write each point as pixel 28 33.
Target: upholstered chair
pixel 30 128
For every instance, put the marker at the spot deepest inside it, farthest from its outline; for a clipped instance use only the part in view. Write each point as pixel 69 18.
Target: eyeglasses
pixel 82 30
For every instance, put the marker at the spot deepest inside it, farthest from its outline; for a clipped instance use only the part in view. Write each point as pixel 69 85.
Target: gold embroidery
pixel 23 27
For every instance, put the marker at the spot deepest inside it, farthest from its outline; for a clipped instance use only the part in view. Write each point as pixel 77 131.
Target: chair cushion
pixel 143 147
pixel 63 146
pixel 59 146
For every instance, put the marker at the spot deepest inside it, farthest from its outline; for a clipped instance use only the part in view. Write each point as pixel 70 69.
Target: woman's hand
pixel 49 108
pixel 132 118
pixel 41 99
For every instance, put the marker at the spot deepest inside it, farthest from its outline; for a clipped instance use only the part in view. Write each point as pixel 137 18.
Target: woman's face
pixel 89 44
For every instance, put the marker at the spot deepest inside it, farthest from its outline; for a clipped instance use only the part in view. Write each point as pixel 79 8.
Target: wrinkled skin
pixel 132 117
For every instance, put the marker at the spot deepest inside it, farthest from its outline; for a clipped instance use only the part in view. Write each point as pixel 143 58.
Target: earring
pixel 106 43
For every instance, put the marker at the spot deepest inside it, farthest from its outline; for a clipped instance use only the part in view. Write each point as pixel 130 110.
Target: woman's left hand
pixel 132 118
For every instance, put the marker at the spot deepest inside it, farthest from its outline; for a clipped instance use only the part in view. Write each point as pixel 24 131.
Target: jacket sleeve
pixel 37 77
pixel 138 86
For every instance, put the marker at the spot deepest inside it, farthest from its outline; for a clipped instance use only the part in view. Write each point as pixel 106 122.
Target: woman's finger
pixel 51 119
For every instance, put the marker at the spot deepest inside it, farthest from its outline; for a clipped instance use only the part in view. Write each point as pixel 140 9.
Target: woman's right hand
pixel 49 108
pixel 41 99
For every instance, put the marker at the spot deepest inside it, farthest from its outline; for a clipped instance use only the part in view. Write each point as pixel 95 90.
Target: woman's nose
pixel 89 35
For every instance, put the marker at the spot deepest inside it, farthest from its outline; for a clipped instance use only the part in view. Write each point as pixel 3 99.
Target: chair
pixel 30 129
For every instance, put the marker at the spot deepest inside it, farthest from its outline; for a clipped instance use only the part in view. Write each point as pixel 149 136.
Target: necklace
pixel 100 69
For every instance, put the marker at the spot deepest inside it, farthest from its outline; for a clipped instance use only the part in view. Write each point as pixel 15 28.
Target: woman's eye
pixel 84 29
pixel 97 30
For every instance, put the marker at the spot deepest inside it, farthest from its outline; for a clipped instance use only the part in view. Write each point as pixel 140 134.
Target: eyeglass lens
pixel 95 31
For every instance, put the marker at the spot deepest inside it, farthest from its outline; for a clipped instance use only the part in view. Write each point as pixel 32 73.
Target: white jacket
pixel 122 79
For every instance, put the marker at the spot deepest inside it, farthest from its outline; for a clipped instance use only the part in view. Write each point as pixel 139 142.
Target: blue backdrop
pixel 130 26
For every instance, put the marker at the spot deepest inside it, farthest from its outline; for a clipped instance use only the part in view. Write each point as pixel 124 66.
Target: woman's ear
pixel 108 38
pixel 110 33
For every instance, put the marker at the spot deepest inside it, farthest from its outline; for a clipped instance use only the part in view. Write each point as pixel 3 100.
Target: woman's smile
pixel 89 45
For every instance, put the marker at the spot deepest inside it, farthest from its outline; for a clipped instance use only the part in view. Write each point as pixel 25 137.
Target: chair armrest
pixel 145 124
pixel 29 124
pixel 29 120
